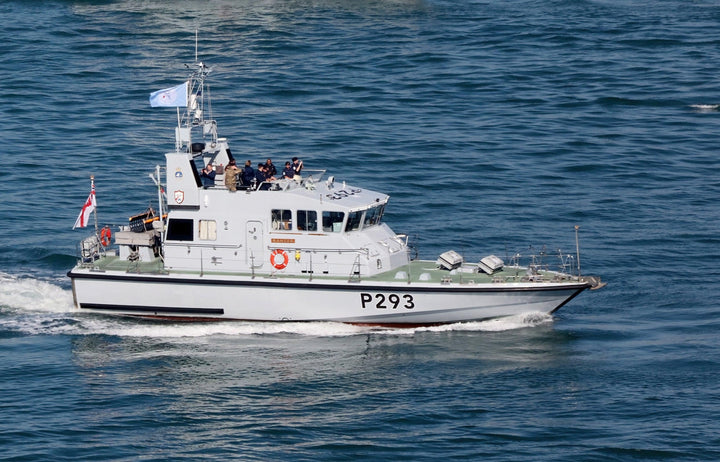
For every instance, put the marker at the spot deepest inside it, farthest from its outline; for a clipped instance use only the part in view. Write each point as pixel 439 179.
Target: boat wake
pixel 705 107
pixel 36 307
pixel 32 295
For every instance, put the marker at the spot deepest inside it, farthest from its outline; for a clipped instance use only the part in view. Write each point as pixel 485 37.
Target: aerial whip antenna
pixel 577 248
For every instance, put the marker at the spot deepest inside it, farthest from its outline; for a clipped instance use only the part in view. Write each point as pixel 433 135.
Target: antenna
pixel 577 248
pixel 196 44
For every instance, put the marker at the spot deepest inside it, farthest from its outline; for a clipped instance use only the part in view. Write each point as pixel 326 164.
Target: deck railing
pixel 310 177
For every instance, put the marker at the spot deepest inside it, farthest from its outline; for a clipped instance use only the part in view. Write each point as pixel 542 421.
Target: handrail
pixel 316 176
pixel 362 250
pixel 195 244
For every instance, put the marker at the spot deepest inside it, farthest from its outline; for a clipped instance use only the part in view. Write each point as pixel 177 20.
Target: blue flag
pixel 170 97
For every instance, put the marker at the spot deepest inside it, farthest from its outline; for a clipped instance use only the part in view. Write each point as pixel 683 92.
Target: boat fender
pixel 105 236
pixel 297 255
pixel 274 260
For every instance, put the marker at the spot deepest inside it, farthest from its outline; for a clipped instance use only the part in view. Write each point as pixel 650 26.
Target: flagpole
pixel 92 189
pixel 160 201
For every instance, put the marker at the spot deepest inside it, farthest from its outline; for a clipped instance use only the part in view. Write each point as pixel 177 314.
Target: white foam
pixel 33 295
pixel 519 321
pixel 131 328
pixel 114 326
pixel 40 307
pixel 705 107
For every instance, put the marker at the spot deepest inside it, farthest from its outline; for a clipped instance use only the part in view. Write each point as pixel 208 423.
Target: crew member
pixel 231 172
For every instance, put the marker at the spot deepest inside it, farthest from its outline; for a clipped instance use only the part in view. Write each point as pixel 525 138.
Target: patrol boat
pixel 308 248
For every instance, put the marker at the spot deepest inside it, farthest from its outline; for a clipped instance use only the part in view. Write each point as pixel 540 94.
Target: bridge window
pixel 332 221
pixel 373 216
pixel 282 219
pixel 354 220
pixel 307 220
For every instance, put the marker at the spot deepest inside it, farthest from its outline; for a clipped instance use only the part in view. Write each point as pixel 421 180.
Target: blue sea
pixel 495 126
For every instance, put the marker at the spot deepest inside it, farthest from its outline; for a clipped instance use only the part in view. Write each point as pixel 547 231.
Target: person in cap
pixel 288 171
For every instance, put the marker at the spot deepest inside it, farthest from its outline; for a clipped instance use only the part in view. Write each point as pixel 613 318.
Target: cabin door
pixel 255 248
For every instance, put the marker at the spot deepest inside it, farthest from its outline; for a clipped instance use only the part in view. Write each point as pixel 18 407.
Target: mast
pixel 193 117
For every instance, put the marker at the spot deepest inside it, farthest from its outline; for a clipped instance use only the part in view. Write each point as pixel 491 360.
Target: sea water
pixel 496 127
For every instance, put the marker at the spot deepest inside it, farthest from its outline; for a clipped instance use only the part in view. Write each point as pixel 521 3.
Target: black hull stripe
pixel 409 288
pixel 153 309
pixel 567 300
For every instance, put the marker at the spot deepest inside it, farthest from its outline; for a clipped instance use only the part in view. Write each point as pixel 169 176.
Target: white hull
pixel 273 299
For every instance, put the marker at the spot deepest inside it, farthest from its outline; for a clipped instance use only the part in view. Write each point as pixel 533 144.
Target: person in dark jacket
pixel 288 171
pixel 270 169
pixel 260 177
pixel 248 174
pixel 297 165
pixel 208 175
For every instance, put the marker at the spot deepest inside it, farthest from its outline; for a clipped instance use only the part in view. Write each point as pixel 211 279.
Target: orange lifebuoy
pixel 285 259
pixel 105 236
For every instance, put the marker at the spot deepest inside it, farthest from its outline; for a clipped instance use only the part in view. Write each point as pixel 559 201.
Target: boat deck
pixel 417 271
